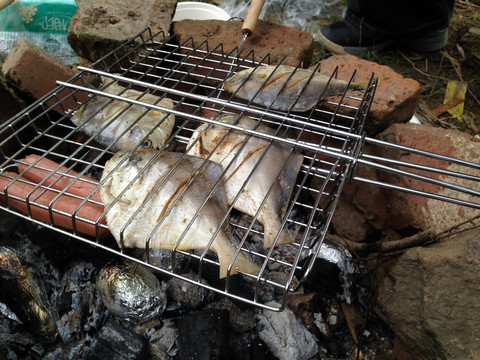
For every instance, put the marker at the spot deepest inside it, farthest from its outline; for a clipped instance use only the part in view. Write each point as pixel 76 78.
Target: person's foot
pixel 341 37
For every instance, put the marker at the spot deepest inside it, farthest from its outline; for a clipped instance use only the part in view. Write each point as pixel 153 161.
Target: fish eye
pixel 148 143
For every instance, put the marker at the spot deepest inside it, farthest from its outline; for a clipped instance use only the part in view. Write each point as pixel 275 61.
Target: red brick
pixel 396 97
pixel 277 40
pixel 34 71
pixel 407 211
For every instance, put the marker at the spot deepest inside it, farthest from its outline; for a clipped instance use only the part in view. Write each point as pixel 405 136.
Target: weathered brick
pixel 99 27
pixel 396 97
pixel 34 71
pixel 271 39
pixel 407 211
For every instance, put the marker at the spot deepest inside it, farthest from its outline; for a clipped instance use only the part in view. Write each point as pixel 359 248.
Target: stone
pixel 396 97
pixel 408 212
pixel 35 71
pixel 98 28
pixel 430 299
pixel 277 41
pixel 348 222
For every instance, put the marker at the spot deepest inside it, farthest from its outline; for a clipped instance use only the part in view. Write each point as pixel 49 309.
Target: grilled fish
pixel 259 163
pixel 285 87
pixel 161 206
pixel 126 125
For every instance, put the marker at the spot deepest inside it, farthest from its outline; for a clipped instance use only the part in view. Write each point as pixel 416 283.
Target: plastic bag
pixel 43 22
pixel 298 14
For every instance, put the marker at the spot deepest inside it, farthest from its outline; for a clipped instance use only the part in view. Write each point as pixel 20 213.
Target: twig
pixel 408 242
pixel 437 76
pixel 415 68
pixel 454 230
pixel 455 64
pixel 390 246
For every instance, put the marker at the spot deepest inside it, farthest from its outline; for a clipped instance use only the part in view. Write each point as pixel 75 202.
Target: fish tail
pixel 271 234
pixel 358 85
pixel 243 264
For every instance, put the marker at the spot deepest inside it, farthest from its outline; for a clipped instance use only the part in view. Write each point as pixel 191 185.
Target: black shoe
pixel 341 37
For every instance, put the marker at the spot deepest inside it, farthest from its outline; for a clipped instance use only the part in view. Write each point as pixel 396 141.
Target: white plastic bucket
pixel 199 11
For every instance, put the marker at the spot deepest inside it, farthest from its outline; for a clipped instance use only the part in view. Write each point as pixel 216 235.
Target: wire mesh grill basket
pixel 329 139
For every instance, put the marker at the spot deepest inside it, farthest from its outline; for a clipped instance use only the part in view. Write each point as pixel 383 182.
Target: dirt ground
pixel 459 61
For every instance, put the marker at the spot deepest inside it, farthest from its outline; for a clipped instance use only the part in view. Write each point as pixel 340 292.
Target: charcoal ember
pixel 26 295
pixel 162 342
pixel 248 346
pixel 241 318
pixel 280 278
pixel 203 335
pixel 285 253
pixel 131 291
pixel 80 307
pixel 165 259
pixel 117 342
pixel 147 328
pixel 304 306
pixel 15 343
pixel 188 294
pixel 77 350
pixel 285 335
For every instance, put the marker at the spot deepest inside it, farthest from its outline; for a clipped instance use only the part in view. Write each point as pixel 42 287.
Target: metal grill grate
pixel 330 137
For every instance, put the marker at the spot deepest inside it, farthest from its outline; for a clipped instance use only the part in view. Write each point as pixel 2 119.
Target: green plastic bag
pixel 45 23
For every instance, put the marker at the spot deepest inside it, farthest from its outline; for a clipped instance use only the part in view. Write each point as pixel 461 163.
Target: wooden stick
pixel 445 107
pixel 251 19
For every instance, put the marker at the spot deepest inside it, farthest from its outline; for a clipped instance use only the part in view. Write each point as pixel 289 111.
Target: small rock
pixel 285 335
